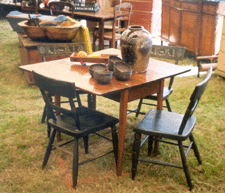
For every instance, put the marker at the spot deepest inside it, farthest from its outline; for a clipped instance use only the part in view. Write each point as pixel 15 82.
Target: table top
pixel 61 70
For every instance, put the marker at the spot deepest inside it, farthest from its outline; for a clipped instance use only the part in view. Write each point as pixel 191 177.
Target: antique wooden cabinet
pixel 194 24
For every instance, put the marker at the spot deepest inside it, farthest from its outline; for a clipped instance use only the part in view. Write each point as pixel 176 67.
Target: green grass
pixel 23 139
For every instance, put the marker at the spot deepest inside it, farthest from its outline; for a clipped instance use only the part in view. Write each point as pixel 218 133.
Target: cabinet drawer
pixel 190 6
pixel 210 9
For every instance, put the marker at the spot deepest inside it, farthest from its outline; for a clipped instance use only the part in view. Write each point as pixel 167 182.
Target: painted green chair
pixel 77 122
pixel 174 53
pixel 171 128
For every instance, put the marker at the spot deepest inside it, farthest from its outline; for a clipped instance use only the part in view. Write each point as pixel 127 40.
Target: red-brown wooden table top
pixel 61 69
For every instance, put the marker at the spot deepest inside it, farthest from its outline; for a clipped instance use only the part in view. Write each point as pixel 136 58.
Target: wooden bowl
pixel 51 33
pixel 96 68
pixel 112 61
pixel 103 77
pixel 122 71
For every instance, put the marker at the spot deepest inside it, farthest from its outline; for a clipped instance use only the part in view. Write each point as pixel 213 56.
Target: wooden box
pixel 29 52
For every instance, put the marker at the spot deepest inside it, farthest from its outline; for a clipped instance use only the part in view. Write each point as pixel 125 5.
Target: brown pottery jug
pixel 135 45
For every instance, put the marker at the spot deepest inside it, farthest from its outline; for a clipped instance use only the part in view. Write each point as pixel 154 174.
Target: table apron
pixel 143 91
pixel 137 92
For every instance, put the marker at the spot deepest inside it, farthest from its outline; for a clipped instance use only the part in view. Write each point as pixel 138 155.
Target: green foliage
pixel 23 139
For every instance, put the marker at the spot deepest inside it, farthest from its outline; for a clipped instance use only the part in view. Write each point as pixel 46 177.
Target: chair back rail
pixel 169 52
pixel 62 49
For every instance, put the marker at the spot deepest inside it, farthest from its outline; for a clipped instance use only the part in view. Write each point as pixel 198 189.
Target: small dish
pixel 122 71
pixel 103 77
pixel 112 61
pixel 96 68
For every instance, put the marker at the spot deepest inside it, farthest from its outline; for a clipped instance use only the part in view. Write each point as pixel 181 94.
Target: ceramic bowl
pixel 96 68
pixel 112 61
pixel 122 71
pixel 103 77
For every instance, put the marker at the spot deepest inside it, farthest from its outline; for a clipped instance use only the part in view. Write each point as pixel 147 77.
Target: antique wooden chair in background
pixel 120 24
pixel 168 52
pixel 159 125
pixel 77 122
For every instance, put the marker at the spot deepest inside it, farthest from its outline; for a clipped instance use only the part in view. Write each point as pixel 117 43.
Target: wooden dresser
pixel 194 24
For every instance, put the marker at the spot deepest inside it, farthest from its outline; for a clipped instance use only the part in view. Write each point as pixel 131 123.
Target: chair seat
pixel 165 124
pixel 166 93
pixel 90 121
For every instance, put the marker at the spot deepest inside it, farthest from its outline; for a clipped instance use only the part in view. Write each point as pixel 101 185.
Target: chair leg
pixel 198 65
pixel 85 139
pixel 44 114
pixel 139 107
pixel 185 166
pixel 49 149
pixel 168 105
pixel 150 142
pixel 48 130
pixel 135 155
pixel 75 162
pixel 195 148
pixel 115 141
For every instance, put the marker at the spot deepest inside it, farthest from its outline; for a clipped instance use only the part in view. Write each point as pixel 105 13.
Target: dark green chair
pixel 168 52
pixel 77 122
pixel 171 128
pixel 61 50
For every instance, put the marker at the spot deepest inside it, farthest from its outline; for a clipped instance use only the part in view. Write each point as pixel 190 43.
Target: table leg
pixel 122 129
pixel 160 95
pixel 101 35
pixel 159 106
